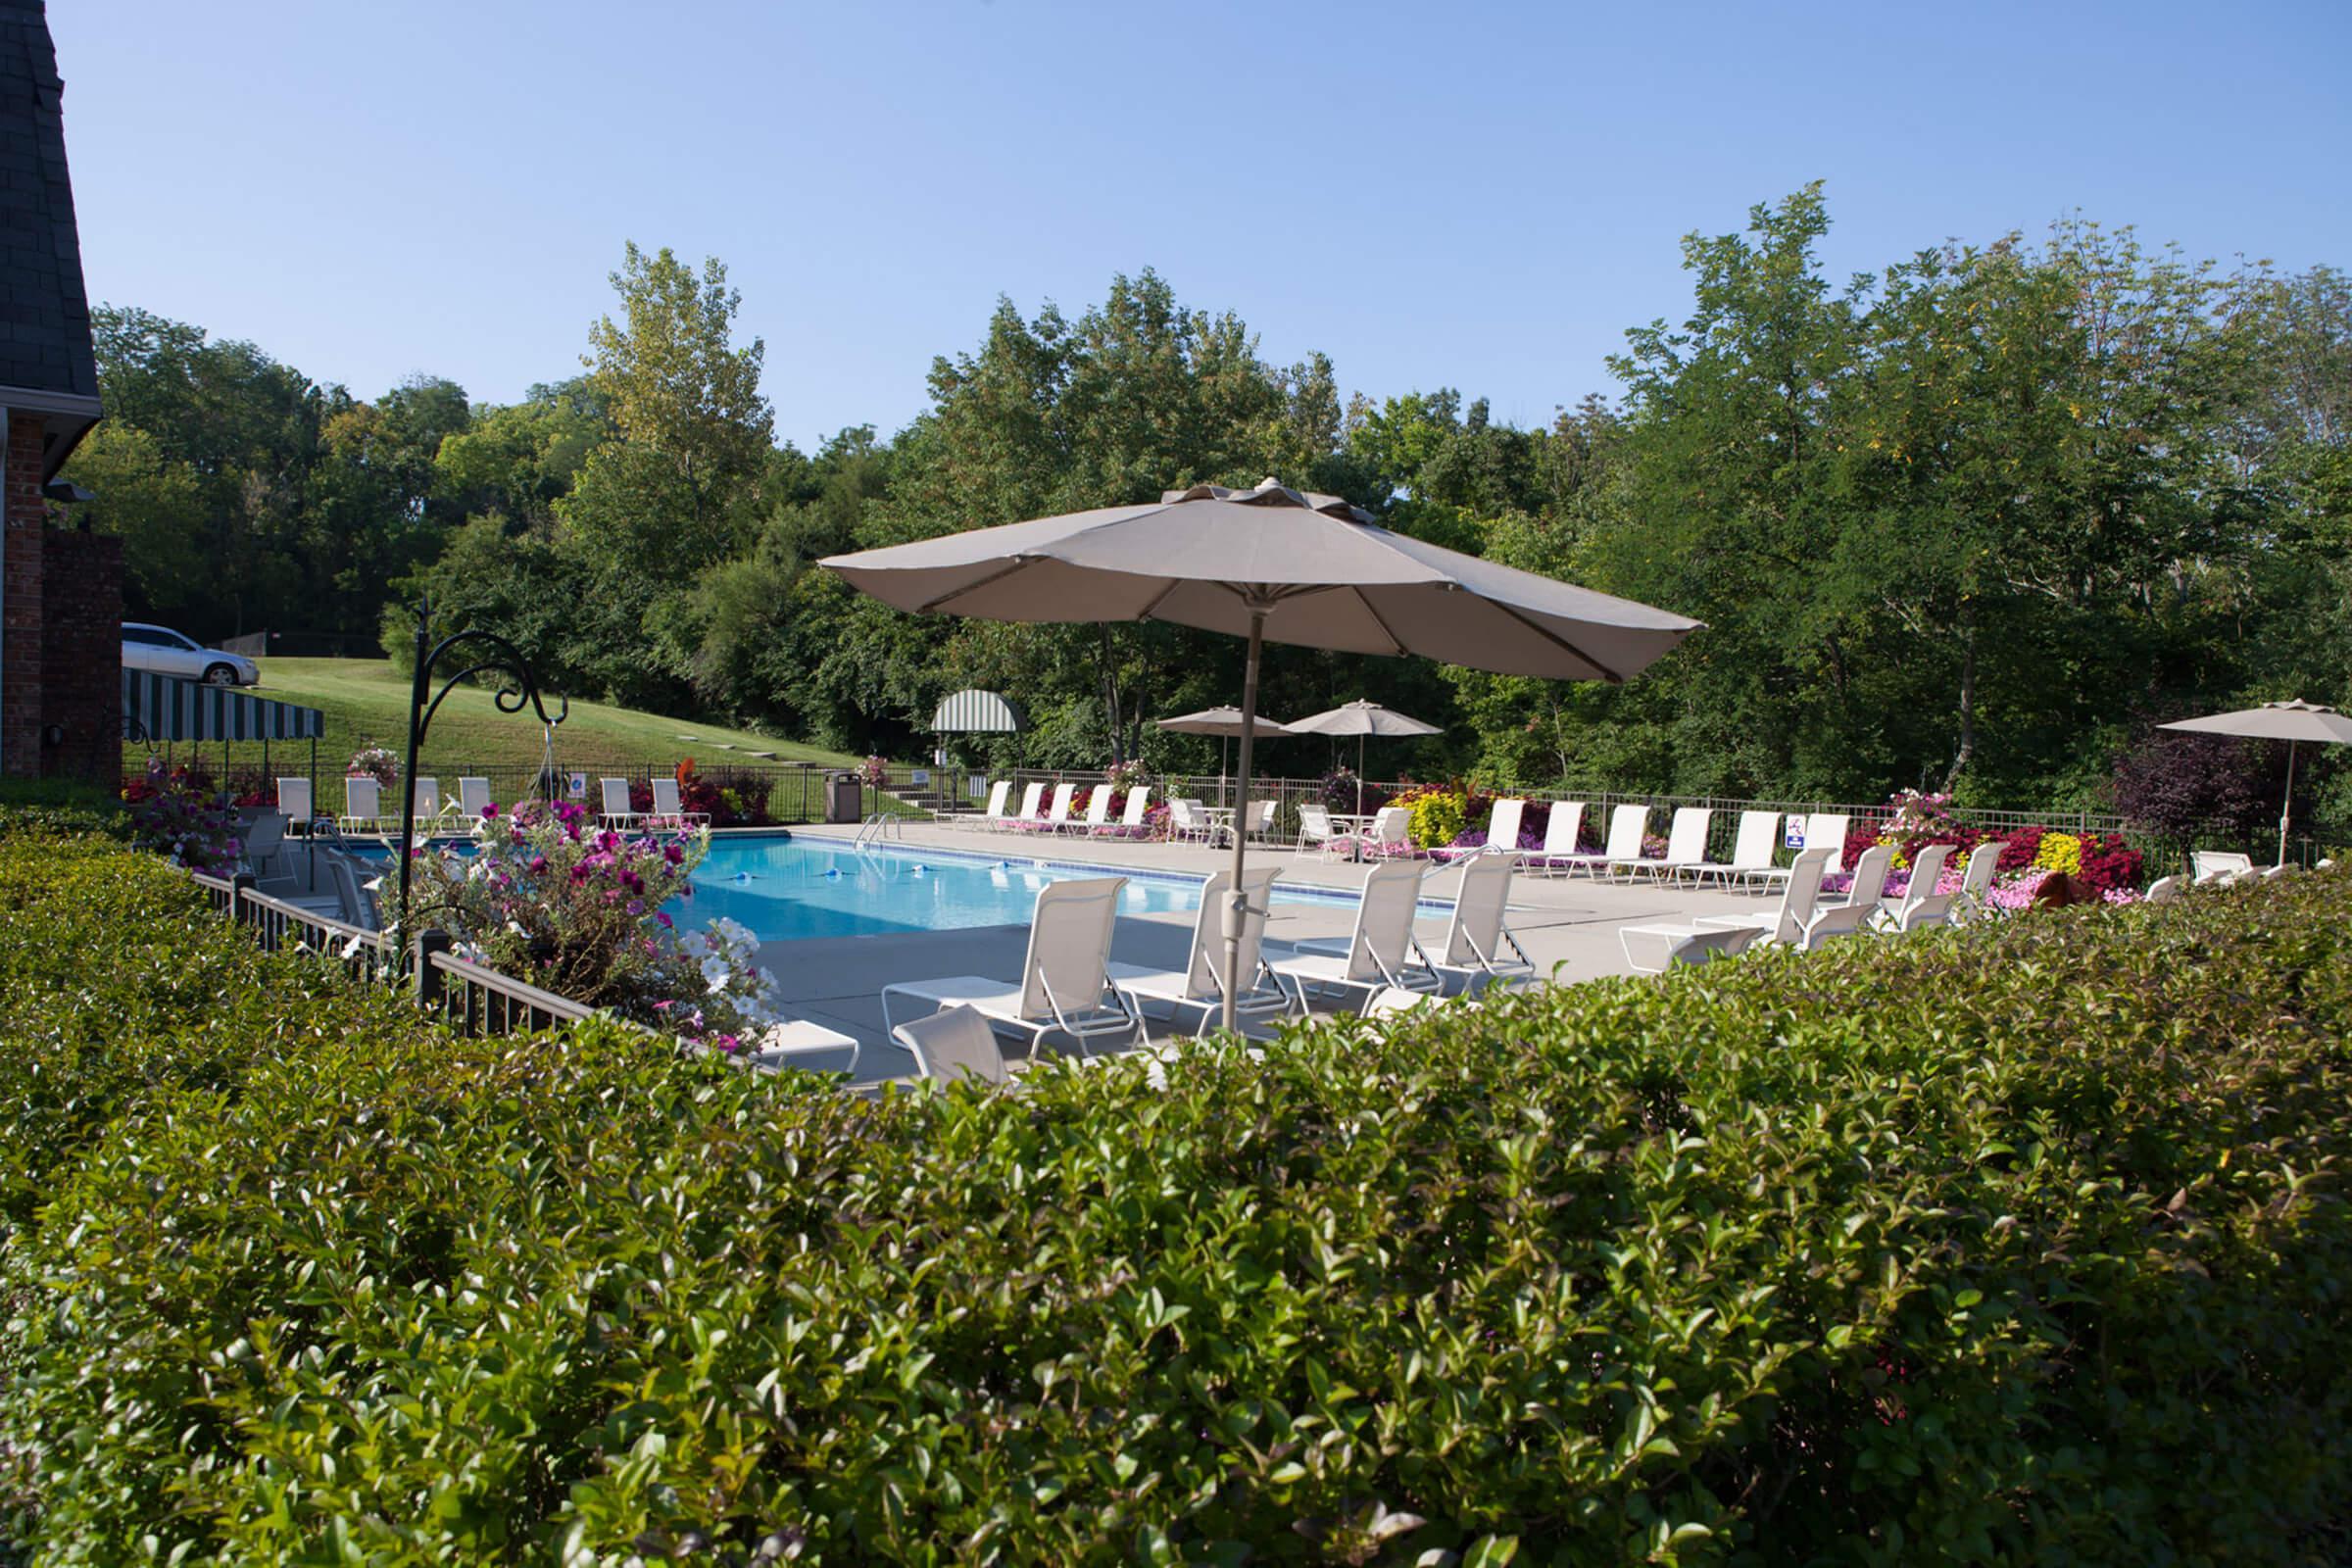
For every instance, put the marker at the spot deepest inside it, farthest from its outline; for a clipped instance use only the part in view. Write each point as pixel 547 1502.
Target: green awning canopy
pixel 978 712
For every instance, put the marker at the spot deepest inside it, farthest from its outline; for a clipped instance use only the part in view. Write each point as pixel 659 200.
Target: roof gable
pixel 45 358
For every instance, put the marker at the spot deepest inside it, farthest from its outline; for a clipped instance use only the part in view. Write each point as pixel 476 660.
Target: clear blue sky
pixel 1484 197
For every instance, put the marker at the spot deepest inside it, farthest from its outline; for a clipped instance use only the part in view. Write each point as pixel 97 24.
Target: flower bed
pixel 1875 1255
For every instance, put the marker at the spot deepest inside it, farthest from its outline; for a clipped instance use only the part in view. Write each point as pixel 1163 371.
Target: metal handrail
pixel 476 1001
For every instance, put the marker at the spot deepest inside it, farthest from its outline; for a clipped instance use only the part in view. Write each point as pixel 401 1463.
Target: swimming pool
pixel 791 889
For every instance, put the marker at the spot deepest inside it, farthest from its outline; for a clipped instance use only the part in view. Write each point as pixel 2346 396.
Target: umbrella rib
pixel 1557 641
pixel 1380 620
pixel 1018 564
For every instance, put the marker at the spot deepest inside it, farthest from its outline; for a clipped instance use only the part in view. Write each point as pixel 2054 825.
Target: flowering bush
pixel 1131 774
pixel 1437 817
pixel 175 813
pixel 1338 793
pixel 874 772
pixel 547 897
pixel 373 761
pixel 2059 852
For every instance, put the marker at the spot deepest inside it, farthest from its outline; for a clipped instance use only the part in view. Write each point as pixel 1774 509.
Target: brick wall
pixel 81 656
pixel 25 516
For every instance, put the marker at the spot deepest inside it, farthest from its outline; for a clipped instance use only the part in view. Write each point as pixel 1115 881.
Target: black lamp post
pixel 503 659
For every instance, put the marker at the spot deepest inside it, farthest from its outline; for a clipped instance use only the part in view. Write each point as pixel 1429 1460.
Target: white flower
pixel 717 971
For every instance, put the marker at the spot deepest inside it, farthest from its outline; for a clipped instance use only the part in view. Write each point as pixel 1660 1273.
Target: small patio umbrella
pixel 1360 718
pixel 1224 723
pixel 2292 721
pixel 1270 563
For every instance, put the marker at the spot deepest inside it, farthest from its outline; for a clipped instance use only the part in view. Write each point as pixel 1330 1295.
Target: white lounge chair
pixel 2215 866
pixel 669 810
pixel 1560 832
pixel 1786 926
pixel 424 796
pixel 1685 843
pixel 1258 821
pixel 363 805
pixel 261 840
pixel 1922 906
pixel 1058 816
pixel 998 793
pixel 1479 945
pixel 1202 982
pixel 2164 889
pixel 1751 851
pixel 955 1042
pixel 474 798
pixel 294 802
pixel 1656 949
pixel 618 812
pixel 1627 824
pixel 1065 981
pixel 1033 796
pixel 1097 811
pixel 1380 953
pixel 1984 865
pixel 1827 830
pixel 1139 803
pixel 1851 916
pixel 1503 833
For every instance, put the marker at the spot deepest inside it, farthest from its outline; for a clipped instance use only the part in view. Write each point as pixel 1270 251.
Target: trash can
pixel 844 798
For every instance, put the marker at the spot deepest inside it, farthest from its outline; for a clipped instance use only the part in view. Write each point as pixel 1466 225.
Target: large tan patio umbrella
pixel 1224 723
pixel 1360 718
pixel 2292 721
pixel 1270 564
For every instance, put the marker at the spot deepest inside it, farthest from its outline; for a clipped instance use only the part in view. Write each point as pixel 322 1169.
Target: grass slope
pixel 366 702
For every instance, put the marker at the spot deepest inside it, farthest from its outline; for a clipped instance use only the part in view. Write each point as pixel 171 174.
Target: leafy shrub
pixel 1762 1263
pixel 1339 790
pixel 2216 789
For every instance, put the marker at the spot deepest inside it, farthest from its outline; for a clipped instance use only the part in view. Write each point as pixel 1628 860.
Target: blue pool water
pixel 791 888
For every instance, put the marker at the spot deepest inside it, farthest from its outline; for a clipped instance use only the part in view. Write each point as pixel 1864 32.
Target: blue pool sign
pixel 1793 835
pixel 577 786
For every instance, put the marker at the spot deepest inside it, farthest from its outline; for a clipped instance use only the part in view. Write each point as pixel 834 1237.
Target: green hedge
pixel 2027 1243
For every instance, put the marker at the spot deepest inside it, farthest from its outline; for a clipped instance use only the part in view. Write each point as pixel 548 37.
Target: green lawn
pixel 366 701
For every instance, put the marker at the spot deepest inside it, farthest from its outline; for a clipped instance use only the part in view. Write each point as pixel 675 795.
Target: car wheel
pixel 220 675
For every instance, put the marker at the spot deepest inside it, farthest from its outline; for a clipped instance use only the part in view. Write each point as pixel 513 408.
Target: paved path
pixel 1567 924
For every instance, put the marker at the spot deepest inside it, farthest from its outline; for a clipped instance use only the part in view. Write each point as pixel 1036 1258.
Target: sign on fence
pixel 919 778
pixel 1792 833
pixel 577 786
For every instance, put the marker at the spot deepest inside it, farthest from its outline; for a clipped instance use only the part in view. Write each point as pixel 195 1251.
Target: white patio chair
pixel 1922 906
pixel 262 840
pixel 1066 982
pixel 669 810
pixel 1751 851
pixel 424 799
pixel 1202 982
pixel 618 812
pixel 1786 925
pixel 1188 821
pixel 2164 889
pixel 1827 830
pixel 1316 830
pixel 992 817
pixel 1984 865
pixel 1391 836
pixel 1851 916
pixel 955 1042
pixel 1381 951
pixel 1097 811
pixel 1258 821
pixel 1503 833
pixel 1560 832
pixel 474 798
pixel 1656 949
pixel 363 805
pixel 1685 843
pixel 1139 804
pixel 1033 796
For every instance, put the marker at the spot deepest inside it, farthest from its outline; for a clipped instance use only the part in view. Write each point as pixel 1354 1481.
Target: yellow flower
pixel 2059 851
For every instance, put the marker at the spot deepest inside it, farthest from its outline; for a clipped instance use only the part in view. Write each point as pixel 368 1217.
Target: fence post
pixel 240 885
pixel 428 979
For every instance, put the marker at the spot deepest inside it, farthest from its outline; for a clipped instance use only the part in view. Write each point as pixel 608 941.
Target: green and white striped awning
pixel 160 707
pixel 977 713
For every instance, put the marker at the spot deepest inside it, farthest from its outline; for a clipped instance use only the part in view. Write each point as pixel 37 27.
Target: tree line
pixel 1973 521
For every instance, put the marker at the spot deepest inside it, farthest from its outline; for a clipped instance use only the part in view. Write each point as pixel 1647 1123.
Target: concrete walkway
pixel 1567 924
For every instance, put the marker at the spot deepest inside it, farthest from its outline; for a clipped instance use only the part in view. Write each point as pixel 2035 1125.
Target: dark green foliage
pixel 2026 1243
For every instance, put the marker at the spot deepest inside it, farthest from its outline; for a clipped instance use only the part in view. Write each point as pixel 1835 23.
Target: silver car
pixel 166 653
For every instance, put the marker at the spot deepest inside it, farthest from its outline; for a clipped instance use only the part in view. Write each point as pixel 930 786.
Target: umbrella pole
pixel 2286 807
pixel 1360 776
pixel 1236 904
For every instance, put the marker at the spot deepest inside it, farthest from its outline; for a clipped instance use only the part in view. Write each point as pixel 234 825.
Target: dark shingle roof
pixel 44 313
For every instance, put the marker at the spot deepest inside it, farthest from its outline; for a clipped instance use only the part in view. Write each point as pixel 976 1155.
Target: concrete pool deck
pixel 1567 924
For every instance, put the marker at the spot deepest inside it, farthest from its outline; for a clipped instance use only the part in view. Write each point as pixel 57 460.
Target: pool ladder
pixel 877 827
